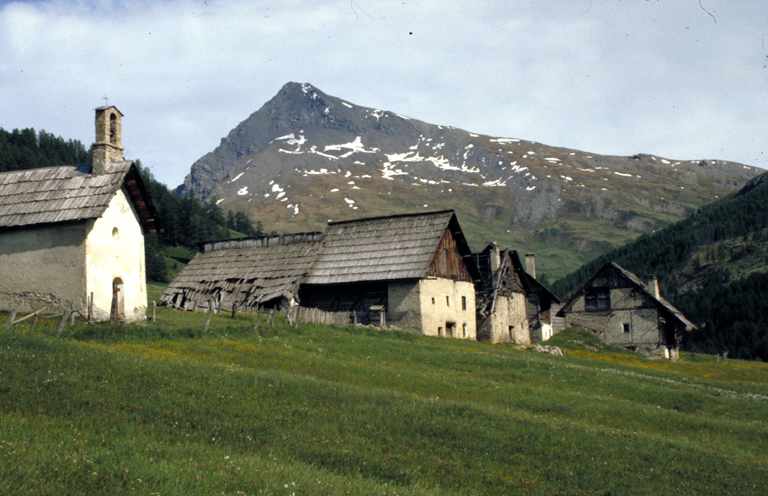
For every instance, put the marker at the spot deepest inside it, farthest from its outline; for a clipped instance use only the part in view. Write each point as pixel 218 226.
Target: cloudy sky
pixel 684 79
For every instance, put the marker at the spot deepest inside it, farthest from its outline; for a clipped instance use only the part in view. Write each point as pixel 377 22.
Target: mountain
pixel 306 157
pixel 713 266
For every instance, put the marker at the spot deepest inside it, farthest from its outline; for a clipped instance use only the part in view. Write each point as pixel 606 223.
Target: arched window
pixel 118 299
pixel 113 128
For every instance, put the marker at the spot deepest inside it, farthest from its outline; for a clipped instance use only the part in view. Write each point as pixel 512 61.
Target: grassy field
pixel 168 409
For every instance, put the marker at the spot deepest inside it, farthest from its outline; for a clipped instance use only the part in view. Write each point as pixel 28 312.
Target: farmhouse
pixel 417 267
pixel 622 310
pixel 411 271
pixel 512 306
pixel 75 234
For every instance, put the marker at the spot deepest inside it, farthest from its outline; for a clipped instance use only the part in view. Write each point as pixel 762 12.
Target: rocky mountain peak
pixel 306 157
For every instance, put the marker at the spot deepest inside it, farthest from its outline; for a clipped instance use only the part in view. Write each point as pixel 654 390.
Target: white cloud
pixel 597 75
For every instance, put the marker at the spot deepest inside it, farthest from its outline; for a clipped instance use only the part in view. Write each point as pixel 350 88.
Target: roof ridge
pixel 395 216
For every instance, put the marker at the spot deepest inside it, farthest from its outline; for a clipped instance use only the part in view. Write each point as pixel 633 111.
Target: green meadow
pixel 165 408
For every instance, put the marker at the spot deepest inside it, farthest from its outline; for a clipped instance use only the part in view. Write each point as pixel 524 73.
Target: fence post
pixel 62 322
pixel 154 309
pixel 258 319
pixel 10 319
pixel 72 314
pixel 90 307
pixel 208 319
pixel 272 317
pixel 234 310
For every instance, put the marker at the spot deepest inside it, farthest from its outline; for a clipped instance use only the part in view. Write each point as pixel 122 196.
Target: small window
pixel 597 299
pixel 463 302
pixel 447 301
pixel 433 300
pixel 464 328
pixel 626 328
pixel 511 333
pixel 439 331
pixel 115 233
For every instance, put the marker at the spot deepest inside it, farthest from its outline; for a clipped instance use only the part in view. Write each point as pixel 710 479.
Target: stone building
pixel 512 306
pixel 417 268
pixel 75 234
pixel 622 310
pixel 413 272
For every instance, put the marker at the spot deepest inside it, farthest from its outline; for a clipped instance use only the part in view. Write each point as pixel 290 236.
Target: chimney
pixel 495 257
pixel 653 284
pixel 530 264
pixel 107 147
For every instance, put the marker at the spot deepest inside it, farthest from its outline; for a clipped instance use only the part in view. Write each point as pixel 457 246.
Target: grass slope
pixel 167 409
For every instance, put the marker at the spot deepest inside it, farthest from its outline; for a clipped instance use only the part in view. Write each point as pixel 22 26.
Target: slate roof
pixel 70 193
pixel 640 285
pixel 383 248
pixel 248 271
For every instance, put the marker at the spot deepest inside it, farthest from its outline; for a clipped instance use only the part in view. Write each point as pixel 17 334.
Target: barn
pixel 411 271
pixel 417 268
pixel 75 234
pixel 250 273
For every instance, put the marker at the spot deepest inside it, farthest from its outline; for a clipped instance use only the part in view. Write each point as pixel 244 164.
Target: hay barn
pixel 413 272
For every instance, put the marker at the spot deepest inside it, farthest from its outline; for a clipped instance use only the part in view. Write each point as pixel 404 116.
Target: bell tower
pixel 107 148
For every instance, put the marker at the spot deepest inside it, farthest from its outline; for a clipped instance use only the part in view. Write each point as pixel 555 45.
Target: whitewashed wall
pixel 115 249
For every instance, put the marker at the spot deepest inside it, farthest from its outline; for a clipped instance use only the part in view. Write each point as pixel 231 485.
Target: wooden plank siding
pixel 447 261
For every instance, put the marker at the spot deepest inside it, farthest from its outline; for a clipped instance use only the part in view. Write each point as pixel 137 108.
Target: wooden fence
pixel 303 315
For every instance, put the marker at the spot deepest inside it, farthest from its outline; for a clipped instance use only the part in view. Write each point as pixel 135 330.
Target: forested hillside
pixel 713 266
pixel 26 149
pixel 184 219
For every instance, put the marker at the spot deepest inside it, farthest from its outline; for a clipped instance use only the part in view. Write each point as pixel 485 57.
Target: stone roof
pixel 70 193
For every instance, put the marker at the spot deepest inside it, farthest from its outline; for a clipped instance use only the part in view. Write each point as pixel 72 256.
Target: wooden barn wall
pixel 357 297
pixel 611 278
pixel 447 261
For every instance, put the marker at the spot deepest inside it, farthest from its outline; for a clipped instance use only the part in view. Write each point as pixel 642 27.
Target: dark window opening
pixel 447 301
pixel 597 299
pixel 450 328
pixel 626 327
pixel 463 302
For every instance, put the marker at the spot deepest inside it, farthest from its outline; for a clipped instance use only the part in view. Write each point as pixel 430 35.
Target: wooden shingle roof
pixel 249 271
pixel 69 193
pixel 383 248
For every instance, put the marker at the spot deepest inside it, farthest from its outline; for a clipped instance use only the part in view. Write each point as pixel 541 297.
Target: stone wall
pixel 42 265
pixel 508 322
pixel 434 307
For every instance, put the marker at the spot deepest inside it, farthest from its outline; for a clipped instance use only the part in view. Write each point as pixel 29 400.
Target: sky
pixel 683 80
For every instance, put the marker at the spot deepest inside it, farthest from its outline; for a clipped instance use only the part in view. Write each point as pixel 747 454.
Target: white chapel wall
pixel 115 250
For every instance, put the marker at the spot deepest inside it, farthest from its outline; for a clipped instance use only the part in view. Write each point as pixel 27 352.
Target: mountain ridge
pixel 306 157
